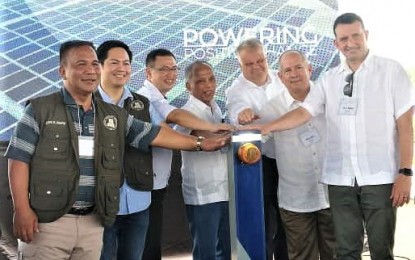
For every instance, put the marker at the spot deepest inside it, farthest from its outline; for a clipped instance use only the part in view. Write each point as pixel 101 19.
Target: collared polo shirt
pixel 243 94
pixel 23 142
pixel 364 146
pixel 159 110
pixel 204 174
pixel 299 162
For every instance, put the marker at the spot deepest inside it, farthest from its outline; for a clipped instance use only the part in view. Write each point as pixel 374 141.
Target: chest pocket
pixel 55 143
pixel 110 157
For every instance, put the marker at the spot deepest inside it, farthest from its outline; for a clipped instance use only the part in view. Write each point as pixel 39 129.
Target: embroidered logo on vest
pixel 110 122
pixel 137 105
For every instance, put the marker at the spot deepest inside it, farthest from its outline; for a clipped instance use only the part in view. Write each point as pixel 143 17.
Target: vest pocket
pixel 50 194
pixel 54 144
pixel 110 158
pixel 112 196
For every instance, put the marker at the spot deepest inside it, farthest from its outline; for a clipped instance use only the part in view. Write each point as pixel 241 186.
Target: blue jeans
pixel 125 239
pixel 209 226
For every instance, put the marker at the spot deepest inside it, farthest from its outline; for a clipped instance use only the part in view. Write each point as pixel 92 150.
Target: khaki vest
pixel 54 169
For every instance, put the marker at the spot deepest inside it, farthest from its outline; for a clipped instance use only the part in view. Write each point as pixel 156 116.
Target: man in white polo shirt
pixel 161 72
pixel 205 175
pixel 245 97
pixel 303 200
pixel 368 104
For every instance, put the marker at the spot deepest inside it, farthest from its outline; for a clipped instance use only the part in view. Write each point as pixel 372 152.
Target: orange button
pixel 249 153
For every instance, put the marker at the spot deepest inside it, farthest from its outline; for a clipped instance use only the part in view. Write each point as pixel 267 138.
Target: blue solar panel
pixel 31 32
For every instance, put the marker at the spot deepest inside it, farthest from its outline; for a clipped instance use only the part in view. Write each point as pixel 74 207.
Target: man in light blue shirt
pixel 126 237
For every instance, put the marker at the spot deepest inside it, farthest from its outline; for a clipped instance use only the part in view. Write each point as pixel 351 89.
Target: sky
pixel 390 25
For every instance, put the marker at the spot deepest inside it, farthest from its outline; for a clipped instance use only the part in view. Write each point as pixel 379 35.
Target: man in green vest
pixel 65 161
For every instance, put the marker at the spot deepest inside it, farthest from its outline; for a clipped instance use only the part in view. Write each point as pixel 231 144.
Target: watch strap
pixel 406 171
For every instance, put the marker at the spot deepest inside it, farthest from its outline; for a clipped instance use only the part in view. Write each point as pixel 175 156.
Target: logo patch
pixel 137 105
pixel 110 122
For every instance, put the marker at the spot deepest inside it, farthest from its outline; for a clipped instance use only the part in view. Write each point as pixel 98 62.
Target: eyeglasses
pixel 165 70
pixel 348 88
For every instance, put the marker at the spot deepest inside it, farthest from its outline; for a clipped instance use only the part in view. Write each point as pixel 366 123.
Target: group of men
pixel 88 177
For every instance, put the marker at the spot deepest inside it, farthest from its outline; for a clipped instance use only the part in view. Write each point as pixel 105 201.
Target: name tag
pixel 310 136
pixel 86 146
pixel 348 106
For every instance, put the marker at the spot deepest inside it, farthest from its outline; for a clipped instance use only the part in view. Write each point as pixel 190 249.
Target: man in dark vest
pixel 126 237
pixel 66 157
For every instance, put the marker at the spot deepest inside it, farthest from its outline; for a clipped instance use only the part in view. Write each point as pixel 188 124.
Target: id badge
pixel 86 146
pixel 348 106
pixel 310 136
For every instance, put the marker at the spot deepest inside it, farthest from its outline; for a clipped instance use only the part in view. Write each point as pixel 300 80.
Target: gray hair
pixel 251 43
pixel 303 57
pixel 188 72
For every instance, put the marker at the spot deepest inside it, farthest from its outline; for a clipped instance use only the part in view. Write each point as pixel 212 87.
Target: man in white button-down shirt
pixel 161 72
pixel 368 104
pixel 245 98
pixel 205 175
pixel 303 200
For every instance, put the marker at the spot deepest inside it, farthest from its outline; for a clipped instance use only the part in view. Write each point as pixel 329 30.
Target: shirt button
pixel 55 148
pixel 48 192
pixel 57 135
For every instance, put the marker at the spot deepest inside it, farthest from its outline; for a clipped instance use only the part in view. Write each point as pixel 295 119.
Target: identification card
pixel 310 136
pixel 348 106
pixel 86 146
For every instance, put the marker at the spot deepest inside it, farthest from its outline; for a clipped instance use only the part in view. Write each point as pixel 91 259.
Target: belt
pixel 81 211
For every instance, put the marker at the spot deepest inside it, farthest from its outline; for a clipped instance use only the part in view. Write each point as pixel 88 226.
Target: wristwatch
pixel 199 143
pixel 406 171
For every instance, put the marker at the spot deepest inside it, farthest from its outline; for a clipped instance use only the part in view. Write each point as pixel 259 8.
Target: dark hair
pixel 152 55
pixel 105 47
pixel 188 72
pixel 68 45
pixel 347 18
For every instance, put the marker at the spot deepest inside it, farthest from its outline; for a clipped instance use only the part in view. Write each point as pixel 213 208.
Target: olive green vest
pixel 138 165
pixel 54 169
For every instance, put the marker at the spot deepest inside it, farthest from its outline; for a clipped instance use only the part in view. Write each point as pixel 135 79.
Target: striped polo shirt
pixel 26 135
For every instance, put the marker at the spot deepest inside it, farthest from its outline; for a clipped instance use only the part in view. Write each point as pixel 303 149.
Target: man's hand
pixel 215 142
pixel 25 224
pixel 401 190
pixel 247 116
pixel 218 128
pixel 254 126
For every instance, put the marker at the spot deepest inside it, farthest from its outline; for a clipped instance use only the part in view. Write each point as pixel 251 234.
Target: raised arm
pixel 168 138
pixel 290 120
pixel 187 119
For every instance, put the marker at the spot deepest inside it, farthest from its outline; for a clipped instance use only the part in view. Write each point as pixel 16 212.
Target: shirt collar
pixel 199 104
pixel 290 100
pixel 345 68
pixel 269 80
pixel 105 97
pixel 67 98
pixel 154 90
